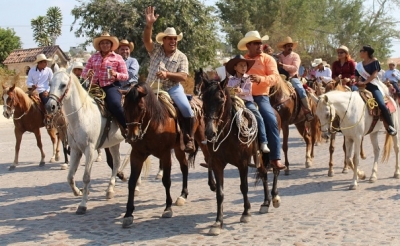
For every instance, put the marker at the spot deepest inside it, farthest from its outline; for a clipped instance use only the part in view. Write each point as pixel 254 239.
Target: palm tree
pixel 54 23
pixel 39 26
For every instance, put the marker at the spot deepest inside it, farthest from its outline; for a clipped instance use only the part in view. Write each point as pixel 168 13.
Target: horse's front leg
pixel 166 180
pixel 18 137
pixel 54 141
pixel 244 188
pixel 276 199
pixel 331 172
pixel 76 156
pixel 345 163
pixel 99 158
pixel 160 171
pixel 374 140
pixel 89 154
pixel 285 146
pixel 40 146
pixel 180 155
pixel 114 150
pixel 362 154
pixel 218 169
pixel 302 128
pixel 396 151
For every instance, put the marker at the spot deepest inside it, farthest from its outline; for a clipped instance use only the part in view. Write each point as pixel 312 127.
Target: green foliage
pixel 8 42
pixel 127 21
pixel 47 28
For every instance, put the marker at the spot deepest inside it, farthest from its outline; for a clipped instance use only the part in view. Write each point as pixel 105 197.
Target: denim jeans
pixel 377 94
pixel 262 136
pixel 353 88
pixel 298 86
pixel 178 95
pixel 271 126
pixel 113 100
pixel 396 86
pixel 43 98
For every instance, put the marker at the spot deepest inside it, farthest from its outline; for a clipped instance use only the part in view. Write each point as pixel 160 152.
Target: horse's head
pixel 135 110
pixel 326 114
pixel 9 99
pixel 59 86
pixel 215 99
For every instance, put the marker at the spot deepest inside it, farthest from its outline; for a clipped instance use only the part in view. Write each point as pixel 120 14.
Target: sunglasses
pixel 341 52
pixel 255 43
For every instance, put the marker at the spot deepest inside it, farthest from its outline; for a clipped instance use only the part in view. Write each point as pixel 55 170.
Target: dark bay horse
pixel 152 130
pixel 28 117
pixel 225 146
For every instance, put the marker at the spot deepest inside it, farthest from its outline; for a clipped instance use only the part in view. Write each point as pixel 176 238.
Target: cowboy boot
pixel 189 145
pixel 306 105
pixel 277 164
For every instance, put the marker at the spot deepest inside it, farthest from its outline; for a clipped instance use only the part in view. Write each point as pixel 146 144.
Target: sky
pixel 18 15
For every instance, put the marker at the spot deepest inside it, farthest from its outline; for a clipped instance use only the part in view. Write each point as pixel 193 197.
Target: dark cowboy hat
pixel 232 63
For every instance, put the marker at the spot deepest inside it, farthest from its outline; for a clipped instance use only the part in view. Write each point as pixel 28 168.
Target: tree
pixel 8 42
pixel 46 29
pixel 126 21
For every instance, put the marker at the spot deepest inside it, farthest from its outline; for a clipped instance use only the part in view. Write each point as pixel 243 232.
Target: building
pixel 21 60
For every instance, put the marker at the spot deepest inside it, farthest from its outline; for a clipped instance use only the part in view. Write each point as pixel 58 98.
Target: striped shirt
pixel 244 84
pixel 176 63
pixel 99 66
pixel 39 78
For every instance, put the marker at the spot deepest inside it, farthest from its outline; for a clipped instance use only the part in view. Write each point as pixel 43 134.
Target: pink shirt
pixel 291 63
pixel 244 84
pixel 99 66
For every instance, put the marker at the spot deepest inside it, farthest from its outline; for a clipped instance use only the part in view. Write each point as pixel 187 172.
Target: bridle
pixel 60 99
pixel 219 118
pixel 140 124
pixel 12 109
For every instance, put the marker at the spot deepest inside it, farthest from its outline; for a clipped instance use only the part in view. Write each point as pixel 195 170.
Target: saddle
pixel 34 96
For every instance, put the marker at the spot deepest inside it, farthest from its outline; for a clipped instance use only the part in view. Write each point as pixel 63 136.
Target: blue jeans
pixel 113 100
pixel 262 136
pixel 377 94
pixel 271 126
pixel 353 88
pixel 396 86
pixel 298 86
pixel 178 95
pixel 43 98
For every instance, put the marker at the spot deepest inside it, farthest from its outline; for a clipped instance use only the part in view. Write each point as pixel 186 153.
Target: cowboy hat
pixel 250 37
pixel 230 66
pixel 316 62
pixel 287 40
pixel 105 36
pixel 170 32
pixel 41 57
pixel 392 62
pixel 125 42
pixel 77 65
pixel 344 48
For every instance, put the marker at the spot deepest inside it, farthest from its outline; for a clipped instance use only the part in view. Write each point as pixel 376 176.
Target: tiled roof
pixel 29 55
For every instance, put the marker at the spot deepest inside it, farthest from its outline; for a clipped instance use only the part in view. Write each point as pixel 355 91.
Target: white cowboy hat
pixel 41 57
pixel 344 48
pixel 249 37
pixel 77 65
pixel 287 40
pixel 126 43
pixel 316 62
pixel 392 62
pixel 170 32
pixel 105 36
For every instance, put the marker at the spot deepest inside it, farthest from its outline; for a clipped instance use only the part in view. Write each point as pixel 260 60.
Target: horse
pixel 286 102
pixel 355 122
pixel 150 122
pixel 28 117
pixel 224 136
pixel 85 129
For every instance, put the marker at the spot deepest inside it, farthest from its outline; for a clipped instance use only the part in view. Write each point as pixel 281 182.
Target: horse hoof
pixel 52 160
pixel 362 176
pixel 98 159
pixel 11 168
pixel 110 194
pixel 245 218
pixel 308 164
pixel 276 201
pixel 127 222
pixel 396 176
pixel 264 209
pixel 159 176
pixel 287 172
pixel 372 179
pixel 57 158
pixel 41 164
pixel 167 214
pixel 345 170
pixel 353 187
pixel 137 193
pixel 330 173
pixel 180 201
pixel 64 166
pixel 215 229
pixel 81 210
pixel 316 144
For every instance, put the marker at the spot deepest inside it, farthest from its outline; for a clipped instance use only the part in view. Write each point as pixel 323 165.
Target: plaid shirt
pixel 176 63
pixel 99 66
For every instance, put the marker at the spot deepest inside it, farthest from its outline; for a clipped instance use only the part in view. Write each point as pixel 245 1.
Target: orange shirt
pixel 266 67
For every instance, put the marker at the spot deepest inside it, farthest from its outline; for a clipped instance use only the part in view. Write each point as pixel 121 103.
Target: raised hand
pixel 150 17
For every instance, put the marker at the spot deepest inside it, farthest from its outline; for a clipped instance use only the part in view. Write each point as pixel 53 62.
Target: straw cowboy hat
pixel 169 32
pixel 230 66
pixel 250 37
pixel 41 57
pixel 287 40
pixel 392 62
pixel 344 48
pixel 77 65
pixel 318 61
pixel 105 36
pixel 125 42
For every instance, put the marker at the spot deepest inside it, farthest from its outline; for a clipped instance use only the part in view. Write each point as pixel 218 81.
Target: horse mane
pixel 154 107
pixel 210 91
pixel 280 89
pixel 83 94
pixel 22 100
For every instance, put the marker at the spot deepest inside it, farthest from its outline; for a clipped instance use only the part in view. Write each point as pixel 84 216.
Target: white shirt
pixel 39 78
pixel 392 75
pixel 326 75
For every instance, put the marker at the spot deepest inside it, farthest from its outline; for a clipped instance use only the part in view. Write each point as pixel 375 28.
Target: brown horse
pixel 285 100
pixel 227 145
pixel 28 117
pixel 152 130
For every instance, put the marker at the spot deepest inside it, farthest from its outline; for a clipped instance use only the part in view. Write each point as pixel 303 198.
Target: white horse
pixel 355 122
pixel 85 129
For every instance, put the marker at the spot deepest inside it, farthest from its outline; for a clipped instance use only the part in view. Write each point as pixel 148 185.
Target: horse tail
pixel 146 167
pixel 192 156
pixel 387 148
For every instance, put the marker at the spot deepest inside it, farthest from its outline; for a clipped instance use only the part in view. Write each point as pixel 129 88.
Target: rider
pixel 107 69
pixel 366 74
pixel 263 75
pixel 290 62
pixel 169 66
pixel 344 67
pixel 39 78
pixel 392 76
pixel 125 48
pixel 322 73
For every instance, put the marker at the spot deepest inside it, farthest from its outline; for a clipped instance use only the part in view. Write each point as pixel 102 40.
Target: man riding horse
pixel 39 78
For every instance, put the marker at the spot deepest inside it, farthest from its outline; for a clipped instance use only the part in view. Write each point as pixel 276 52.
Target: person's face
pixel 320 66
pixel 42 64
pixel 363 54
pixel 288 48
pixel 77 72
pixel 105 45
pixel 270 51
pixel 391 66
pixel 254 47
pixel 341 54
pixel 170 43
pixel 124 51
pixel 241 67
